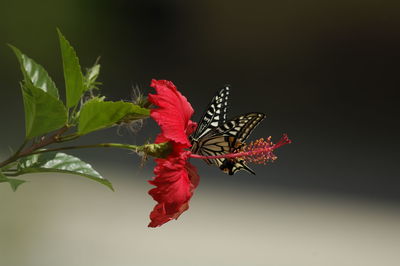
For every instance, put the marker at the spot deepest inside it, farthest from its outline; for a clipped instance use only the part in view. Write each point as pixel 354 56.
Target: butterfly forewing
pixel 215 114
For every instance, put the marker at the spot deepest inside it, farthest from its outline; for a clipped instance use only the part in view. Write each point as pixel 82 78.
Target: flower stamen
pixel 258 152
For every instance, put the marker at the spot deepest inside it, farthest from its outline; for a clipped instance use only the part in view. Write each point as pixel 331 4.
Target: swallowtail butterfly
pixel 215 135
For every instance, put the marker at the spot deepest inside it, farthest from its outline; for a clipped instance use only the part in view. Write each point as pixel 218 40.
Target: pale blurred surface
pixel 66 220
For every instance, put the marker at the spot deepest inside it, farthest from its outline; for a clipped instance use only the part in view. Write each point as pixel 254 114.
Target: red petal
pixel 159 216
pixel 193 175
pixel 175 181
pixel 173 112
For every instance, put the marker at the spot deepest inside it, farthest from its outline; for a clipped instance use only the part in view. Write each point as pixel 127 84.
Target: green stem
pixel 71 115
pixel 100 145
pixel 68 137
pixel 160 150
pixel 12 174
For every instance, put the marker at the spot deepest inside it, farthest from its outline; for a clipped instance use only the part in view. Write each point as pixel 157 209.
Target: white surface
pixel 62 220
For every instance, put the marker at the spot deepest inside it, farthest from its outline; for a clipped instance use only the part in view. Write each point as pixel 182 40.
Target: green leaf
pixel 97 115
pixel 58 162
pixel 72 72
pixel 35 74
pixel 14 183
pixel 43 112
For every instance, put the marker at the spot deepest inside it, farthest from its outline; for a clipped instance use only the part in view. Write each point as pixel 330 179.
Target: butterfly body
pixel 215 135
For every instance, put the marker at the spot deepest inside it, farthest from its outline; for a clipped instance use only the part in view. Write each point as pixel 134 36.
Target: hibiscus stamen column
pixel 258 152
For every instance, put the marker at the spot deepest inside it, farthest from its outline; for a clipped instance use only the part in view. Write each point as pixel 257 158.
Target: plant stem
pixel 156 150
pixel 68 137
pixel 99 145
pixel 44 142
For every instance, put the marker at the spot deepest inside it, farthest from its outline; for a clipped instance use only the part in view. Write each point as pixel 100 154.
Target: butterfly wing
pixel 232 166
pixel 240 127
pixel 215 114
pixel 228 138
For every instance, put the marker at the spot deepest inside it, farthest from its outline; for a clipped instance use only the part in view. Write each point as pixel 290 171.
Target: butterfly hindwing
pixel 238 130
pixel 232 166
pixel 214 145
pixel 228 137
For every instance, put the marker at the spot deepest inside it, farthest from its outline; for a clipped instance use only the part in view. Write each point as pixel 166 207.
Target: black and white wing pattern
pixel 214 115
pixel 228 137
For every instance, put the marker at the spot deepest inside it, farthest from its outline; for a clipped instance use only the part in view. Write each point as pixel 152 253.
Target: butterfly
pixel 215 135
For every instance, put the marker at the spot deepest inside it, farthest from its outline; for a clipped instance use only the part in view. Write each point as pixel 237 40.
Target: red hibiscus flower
pixel 175 178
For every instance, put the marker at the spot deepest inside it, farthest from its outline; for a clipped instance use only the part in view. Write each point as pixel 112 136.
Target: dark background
pixel 325 72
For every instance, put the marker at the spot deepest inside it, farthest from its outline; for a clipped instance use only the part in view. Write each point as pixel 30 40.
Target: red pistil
pixel 259 151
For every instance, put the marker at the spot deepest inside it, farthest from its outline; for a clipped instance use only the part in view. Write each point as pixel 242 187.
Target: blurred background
pixel 325 72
